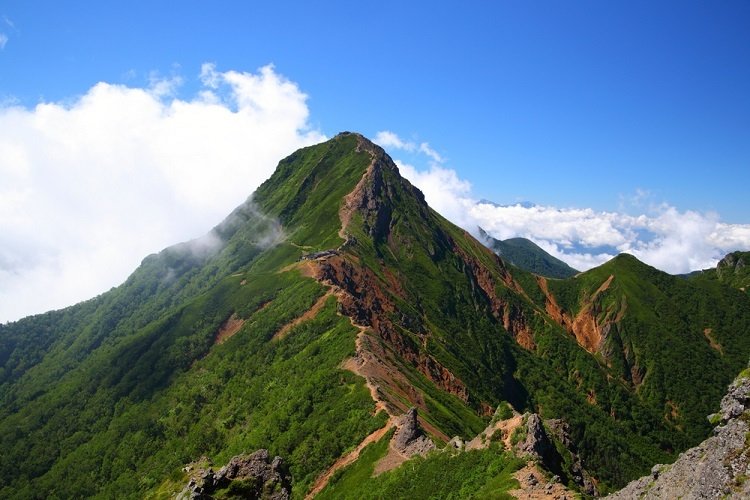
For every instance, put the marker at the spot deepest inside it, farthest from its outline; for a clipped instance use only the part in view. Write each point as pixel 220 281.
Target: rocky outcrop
pixel 719 467
pixel 409 439
pixel 560 431
pixel 536 444
pixel 732 262
pixel 253 476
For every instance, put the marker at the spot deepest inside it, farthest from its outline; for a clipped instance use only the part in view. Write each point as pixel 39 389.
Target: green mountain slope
pixel 672 341
pixel 527 255
pixel 321 310
pixel 732 270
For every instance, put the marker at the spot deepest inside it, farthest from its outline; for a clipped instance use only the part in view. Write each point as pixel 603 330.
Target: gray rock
pixel 456 443
pixel 537 444
pixel 716 468
pixel 409 438
pixel 260 478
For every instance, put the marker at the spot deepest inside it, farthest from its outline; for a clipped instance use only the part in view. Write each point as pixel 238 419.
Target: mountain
pixel 529 256
pixel 336 321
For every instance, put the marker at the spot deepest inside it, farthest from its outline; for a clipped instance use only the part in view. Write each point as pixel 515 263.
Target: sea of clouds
pixel 662 236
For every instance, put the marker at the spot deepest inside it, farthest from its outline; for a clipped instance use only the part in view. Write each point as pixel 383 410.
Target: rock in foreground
pixel 251 476
pixel 716 468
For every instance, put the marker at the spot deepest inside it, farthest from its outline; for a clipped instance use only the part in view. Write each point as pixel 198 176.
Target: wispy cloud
pixel 659 234
pixel 388 139
pixel 90 187
pixel 3 35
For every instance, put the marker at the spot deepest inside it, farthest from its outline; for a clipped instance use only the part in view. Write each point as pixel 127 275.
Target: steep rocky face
pixel 717 468
pixel 589 326
pixel 409 439
pixel 734 269
pixel 254 476
pixel 538 445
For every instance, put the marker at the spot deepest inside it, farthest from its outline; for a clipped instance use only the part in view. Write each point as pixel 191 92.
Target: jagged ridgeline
pixel 318 313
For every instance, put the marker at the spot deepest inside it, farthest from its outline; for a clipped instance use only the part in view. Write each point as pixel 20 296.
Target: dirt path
pixel 505 427
pixel 307 315
pixel 352 365
pixel 390 461
pixel 347 459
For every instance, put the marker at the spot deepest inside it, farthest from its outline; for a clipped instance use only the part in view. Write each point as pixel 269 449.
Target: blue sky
pixel 619 108
pixel 568 103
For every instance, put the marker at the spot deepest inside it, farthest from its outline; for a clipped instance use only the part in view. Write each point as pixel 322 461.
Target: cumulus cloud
pixel 90 187
pixel 662 236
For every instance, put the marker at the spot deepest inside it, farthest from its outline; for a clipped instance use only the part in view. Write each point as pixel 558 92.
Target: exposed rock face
pixel 717 468
pixel 364 300
pixel 587 326
pixel 561 431
pixel 537 444
pixel 252 476
pixel 733 262
pixel 409 439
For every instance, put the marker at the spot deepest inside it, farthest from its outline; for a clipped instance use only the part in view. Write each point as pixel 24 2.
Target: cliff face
pixel 717 468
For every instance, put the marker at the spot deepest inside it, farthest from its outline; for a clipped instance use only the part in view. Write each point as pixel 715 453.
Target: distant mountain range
pixel 527 255
pixel 335 327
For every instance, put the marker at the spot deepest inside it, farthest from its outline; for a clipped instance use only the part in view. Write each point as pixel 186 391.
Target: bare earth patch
pixel 229 328
pixel 535 486
pixel 505 427
pixel 708 333
pixel 584 326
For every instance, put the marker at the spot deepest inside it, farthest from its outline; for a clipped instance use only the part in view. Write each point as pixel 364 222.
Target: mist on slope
pixel 90 186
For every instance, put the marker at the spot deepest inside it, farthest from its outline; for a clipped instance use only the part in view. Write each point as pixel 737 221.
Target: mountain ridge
pixel 350 301
pixel 528 256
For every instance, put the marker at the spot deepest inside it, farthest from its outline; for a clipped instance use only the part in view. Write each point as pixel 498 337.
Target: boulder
pixel 409 439
pixel 252 476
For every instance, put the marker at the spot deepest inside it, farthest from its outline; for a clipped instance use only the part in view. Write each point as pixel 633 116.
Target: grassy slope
pixel 148 380
pixel 450 475
pixel 662 334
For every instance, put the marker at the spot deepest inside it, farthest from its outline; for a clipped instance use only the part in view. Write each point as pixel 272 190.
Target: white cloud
pixel 661 235
pixel 426 149
pixel 3 40
pixel 443 190
pixel 89 188
pixel 388 139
